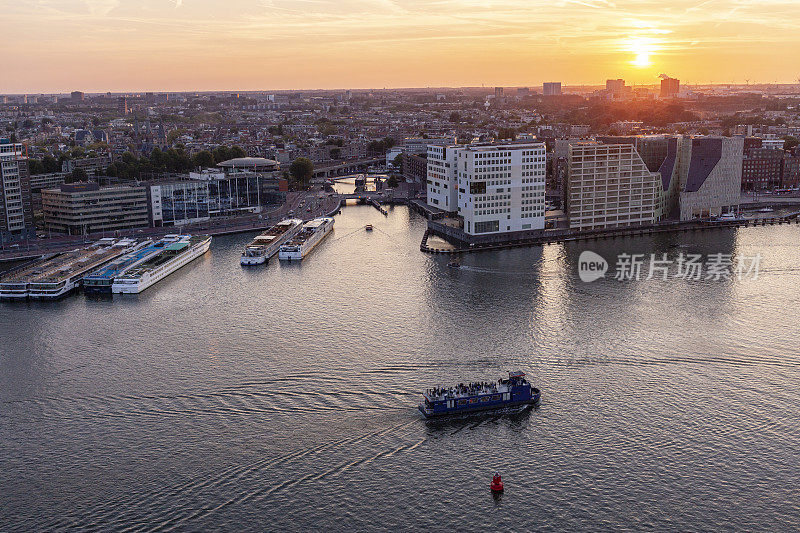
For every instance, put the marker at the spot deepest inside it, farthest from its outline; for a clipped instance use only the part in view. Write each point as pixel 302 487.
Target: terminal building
pixel 16 213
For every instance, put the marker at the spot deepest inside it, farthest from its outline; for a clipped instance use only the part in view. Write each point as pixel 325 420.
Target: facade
pixel 551 88
pixel 441 178
pixel 670 87
pixel 501 187
pixel 419 145
pixel 16 213
pixel 761 169
pixel 790 173
pixel 212 194
pixel 609 186
pixel 91 165
pixel 710 173
pixel 652 148
pixel 415 168
pixel 83 208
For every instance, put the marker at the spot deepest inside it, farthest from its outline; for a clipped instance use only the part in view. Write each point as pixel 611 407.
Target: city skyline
pixel 181 45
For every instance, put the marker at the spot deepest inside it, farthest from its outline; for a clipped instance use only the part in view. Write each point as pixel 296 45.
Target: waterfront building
pixel 16 213
pixel 85 207
pixel 212 194
pixel 551 88
pixel 610 186
pixel 501 187
pixel 710 174
pixel 442 186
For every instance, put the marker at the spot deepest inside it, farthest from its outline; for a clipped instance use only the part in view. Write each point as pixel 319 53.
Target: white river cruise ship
pixel 309 236
pixel 178 250
pixel 263 247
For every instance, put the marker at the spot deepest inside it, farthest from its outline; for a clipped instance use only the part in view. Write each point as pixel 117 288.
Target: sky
pixel 177 45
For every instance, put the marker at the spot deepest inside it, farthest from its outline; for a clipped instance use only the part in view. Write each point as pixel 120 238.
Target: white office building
pixel 501 187
pixel 442 186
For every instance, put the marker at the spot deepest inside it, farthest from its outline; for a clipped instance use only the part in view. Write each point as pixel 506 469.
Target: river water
pixel 283 398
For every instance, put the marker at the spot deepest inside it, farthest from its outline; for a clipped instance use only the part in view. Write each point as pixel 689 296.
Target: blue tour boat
pixel 470 397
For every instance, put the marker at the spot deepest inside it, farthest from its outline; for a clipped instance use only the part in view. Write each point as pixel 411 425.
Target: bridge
pixel 343 168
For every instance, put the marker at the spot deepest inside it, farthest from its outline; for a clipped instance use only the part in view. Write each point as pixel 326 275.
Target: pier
pixel 543 237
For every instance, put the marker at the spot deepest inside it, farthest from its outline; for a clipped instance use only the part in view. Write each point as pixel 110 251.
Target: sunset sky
pixel 172 45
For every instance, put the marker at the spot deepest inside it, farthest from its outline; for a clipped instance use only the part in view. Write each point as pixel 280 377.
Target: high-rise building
pixel 609 186
pixel 498 92
pixel 122 105
pixel 16 213
pixel 77 96
pixel 501 187
pixel 670 87
pixel 615 86
pixel 551 88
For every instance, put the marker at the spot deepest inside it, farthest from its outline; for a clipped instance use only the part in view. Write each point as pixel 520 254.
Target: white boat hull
pixel 310 244
pixel 151 278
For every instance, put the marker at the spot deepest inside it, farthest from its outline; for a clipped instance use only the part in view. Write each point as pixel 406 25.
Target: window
pixel 487 226
pixel 477 187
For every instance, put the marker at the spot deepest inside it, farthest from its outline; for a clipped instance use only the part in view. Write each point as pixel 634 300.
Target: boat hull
pixel 480 409
pixel 250 261
pixel 151 279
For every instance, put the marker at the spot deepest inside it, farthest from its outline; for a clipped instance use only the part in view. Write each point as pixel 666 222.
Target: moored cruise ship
pixel 306 239
pixel 263 247
pixel 100 280
pixel 176 251
pixel 514 392
pixel 57 282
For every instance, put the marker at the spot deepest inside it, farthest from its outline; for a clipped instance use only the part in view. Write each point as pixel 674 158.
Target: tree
pixel 203 159
pixel 392 182
pixel 398 162
pixel 455 117
pixel 336 153
pixel 301 169
pixel 789 142
pixel 77 175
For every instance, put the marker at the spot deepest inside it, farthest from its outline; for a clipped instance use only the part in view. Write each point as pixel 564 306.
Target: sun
pixel 642 48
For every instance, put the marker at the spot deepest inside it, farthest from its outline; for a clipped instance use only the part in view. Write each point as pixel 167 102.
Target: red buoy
pixel 497 483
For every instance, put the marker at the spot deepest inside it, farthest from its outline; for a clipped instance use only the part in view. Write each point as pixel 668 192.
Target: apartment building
pixel 82 208
pixel 710 173
pixel 16 213
pixel 610 186
pixel 501 187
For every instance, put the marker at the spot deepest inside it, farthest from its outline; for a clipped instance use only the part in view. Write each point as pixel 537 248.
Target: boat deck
pixel 57 267
pixel 119 266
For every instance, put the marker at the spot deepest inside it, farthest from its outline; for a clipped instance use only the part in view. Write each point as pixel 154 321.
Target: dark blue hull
pixel 477 407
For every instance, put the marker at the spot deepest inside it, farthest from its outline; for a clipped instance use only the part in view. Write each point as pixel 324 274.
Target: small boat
pixel 727 217
pixel 368 227
pixel 454 264
pixel 497 483
pixel 514 392
pixel 767 209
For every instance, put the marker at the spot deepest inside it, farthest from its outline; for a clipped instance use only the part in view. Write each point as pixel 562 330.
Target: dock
pixel 546 237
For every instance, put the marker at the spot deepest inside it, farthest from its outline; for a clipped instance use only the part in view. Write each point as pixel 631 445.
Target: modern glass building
pixel 215 194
